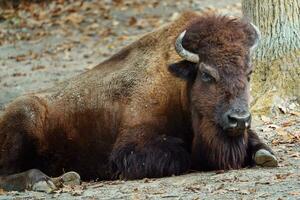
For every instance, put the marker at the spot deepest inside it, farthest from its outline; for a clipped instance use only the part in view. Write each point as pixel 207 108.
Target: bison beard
pixel 139 114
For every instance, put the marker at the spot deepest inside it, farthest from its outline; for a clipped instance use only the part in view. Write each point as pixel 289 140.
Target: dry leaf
pixel 294 193
pixel 285 137
pixel 273 126
pixel 39 67
pixel 106 32
pixel 282 176
pixel 18 74
pixel 295 113
pixel 19 58
pixel 117 2
pixel 266 119
pixel 221 191
pixel 244 192
pixel 132 21
pixel 75 18
pixel 287 123
pixel 2 191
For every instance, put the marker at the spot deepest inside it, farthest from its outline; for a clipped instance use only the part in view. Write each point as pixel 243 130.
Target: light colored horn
pixel 256 42
pixel 187 55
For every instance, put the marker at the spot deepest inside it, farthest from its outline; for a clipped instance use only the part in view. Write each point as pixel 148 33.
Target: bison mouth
pixel 234 132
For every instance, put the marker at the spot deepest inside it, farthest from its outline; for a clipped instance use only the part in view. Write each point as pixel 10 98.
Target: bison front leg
pixel 36 180
pixel 29 180
pixel 21 131
pixel 260 153
pixel 148 156
pixel 21 128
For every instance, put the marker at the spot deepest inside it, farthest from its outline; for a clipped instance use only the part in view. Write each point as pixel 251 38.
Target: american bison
pixel 174 100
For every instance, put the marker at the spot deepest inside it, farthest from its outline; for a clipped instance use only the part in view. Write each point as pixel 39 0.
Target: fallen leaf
pixel 295 113
pixel 75 18
pixel 132 21
pixel 295 155
pixel 266 119
pixel 2 191
pixel 273 126
pixel 282 176
pixel 232 189
pixel 39 67
pixel 118 2
pixel 18 74
pixel 19 58
pixel 141 24
pixel 106 32
pixel 287 123
pixel 294 193
pixel 244 192
pixel 194 189
pixel 222 191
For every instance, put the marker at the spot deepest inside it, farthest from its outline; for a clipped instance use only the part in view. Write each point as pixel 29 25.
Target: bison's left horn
pixel 187 55
pixel 257 39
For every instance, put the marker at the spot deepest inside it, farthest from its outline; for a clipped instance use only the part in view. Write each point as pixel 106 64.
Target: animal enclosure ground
pixel 42 45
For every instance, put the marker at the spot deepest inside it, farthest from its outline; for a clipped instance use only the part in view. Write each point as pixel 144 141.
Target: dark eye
pixel 206 77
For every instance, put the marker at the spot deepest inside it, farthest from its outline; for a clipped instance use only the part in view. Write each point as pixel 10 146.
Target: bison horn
pixel 257 38
pixel 187 55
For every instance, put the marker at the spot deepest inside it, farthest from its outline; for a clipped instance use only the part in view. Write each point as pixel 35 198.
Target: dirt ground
pixel 41 45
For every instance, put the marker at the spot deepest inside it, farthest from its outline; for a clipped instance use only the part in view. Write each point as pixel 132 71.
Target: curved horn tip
pixel 182 52
pixel 257 31
pixel 182 34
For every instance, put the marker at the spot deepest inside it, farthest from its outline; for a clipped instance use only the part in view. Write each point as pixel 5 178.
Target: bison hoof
pixel 265 158
pixel 44 186
pixel 40 181
pixel 69 178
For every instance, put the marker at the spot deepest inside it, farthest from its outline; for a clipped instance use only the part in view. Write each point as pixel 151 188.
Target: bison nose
pixel 237 119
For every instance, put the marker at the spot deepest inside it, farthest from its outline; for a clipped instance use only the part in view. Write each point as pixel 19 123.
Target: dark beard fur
pixel 214 150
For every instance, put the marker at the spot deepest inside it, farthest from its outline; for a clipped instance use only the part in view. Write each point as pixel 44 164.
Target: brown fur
pixel 129 116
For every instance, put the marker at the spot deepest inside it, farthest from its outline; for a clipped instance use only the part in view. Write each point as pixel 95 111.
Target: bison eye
pixel 206 77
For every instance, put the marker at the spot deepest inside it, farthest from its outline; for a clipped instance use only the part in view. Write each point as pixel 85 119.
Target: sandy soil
pixel 42 45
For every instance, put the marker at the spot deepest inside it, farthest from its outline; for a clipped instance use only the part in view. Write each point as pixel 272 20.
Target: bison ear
pixel 184 69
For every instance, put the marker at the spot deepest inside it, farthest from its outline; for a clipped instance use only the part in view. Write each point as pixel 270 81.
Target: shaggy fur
pixel 130 117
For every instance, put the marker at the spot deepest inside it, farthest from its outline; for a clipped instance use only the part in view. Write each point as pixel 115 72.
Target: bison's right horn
pixel 187 55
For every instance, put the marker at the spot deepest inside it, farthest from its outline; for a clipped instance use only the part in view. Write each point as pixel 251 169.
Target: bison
pixel 174 100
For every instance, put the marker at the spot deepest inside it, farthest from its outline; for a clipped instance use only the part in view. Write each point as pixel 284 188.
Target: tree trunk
pixel 276 81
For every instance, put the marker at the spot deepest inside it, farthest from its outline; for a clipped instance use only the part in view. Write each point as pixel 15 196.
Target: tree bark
pixel 276 80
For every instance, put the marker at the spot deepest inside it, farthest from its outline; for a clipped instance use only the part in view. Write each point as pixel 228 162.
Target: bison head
pixel 216 52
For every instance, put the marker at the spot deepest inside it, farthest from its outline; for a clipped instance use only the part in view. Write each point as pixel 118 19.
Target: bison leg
pixel 29 180
pixel 260 153
pixel 21 129
pixel 154 157
pixel 36 180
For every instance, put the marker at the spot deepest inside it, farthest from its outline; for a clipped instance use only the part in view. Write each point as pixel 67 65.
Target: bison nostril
pixel 232 122
pixel 237 120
